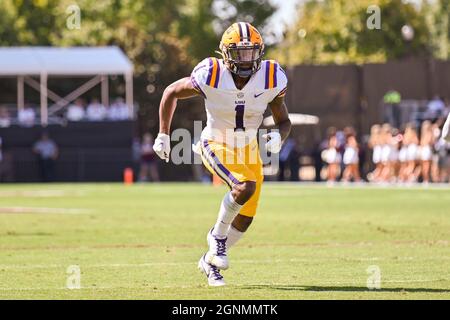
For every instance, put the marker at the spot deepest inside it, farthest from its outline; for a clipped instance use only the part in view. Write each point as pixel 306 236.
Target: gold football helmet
pixel 242 48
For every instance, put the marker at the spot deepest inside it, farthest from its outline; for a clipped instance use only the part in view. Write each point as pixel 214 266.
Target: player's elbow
pixel 170 92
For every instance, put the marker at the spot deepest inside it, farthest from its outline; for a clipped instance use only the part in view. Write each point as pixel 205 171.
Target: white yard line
pixel 43 210
pixel 305 287
pixel 40 193
pixel 363 185
pixel 153 264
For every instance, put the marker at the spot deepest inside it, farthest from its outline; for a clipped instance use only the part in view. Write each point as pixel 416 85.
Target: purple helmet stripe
pixel 248 31
pixel 240 31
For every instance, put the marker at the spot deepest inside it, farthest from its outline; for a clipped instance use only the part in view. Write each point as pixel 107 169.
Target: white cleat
pixel 215 279
pixel 217 253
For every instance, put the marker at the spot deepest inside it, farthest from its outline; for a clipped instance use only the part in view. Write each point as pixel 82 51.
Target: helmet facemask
pixel 243 59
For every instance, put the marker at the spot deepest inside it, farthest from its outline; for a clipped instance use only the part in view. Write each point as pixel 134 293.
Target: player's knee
pixel 244 191
pixel 241 223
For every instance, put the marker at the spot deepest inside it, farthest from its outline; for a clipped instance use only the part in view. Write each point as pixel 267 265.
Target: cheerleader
pixel 396 139
pixel 402 157
pixel 351 159
pixel 426 150
pixel 332 157
pixel 375 145
pixel 435 128
pixel 410 173
pixel 386 152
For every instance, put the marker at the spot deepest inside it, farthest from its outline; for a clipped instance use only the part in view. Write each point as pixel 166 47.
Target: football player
pixel 237 90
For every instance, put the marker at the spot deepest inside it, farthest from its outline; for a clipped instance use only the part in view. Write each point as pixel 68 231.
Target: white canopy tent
pixel 100 62
pixel 295 118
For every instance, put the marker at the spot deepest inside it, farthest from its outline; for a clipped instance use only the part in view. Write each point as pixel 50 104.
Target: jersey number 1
pixel 239 119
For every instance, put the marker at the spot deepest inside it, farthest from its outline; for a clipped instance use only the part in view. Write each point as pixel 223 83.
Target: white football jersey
pixel 233 115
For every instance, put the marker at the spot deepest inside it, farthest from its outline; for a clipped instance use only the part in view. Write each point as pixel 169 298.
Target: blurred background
pixel 81 82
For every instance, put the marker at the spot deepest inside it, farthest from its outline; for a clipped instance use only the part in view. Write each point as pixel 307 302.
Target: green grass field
pixel 144 241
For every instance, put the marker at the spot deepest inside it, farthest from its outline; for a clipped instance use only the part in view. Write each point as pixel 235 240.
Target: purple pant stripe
pixel 211 164
pixel 218 164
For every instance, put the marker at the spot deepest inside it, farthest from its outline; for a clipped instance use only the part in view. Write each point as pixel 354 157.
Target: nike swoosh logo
pixel 257 95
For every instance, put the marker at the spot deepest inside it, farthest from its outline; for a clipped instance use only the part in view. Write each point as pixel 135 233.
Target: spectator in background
pixel 96 111
pixel 317 158
pixel 149 164
pixel 435 108
pixel 27 116
pixel 319 153
pixel 75 111
pixel 447 108
pixel 392 100
pixel 444 162
pixel 5 119
pixel 136 153
pixel 47 152
pixel 443 147
pixel 118 111
pixel 289 156
pixel 446 130
pixel 436 133
pixel 6 165
pixel 1 156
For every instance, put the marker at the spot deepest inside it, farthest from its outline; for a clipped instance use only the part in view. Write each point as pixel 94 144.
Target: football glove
pixel 162 146
pixel 273 143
